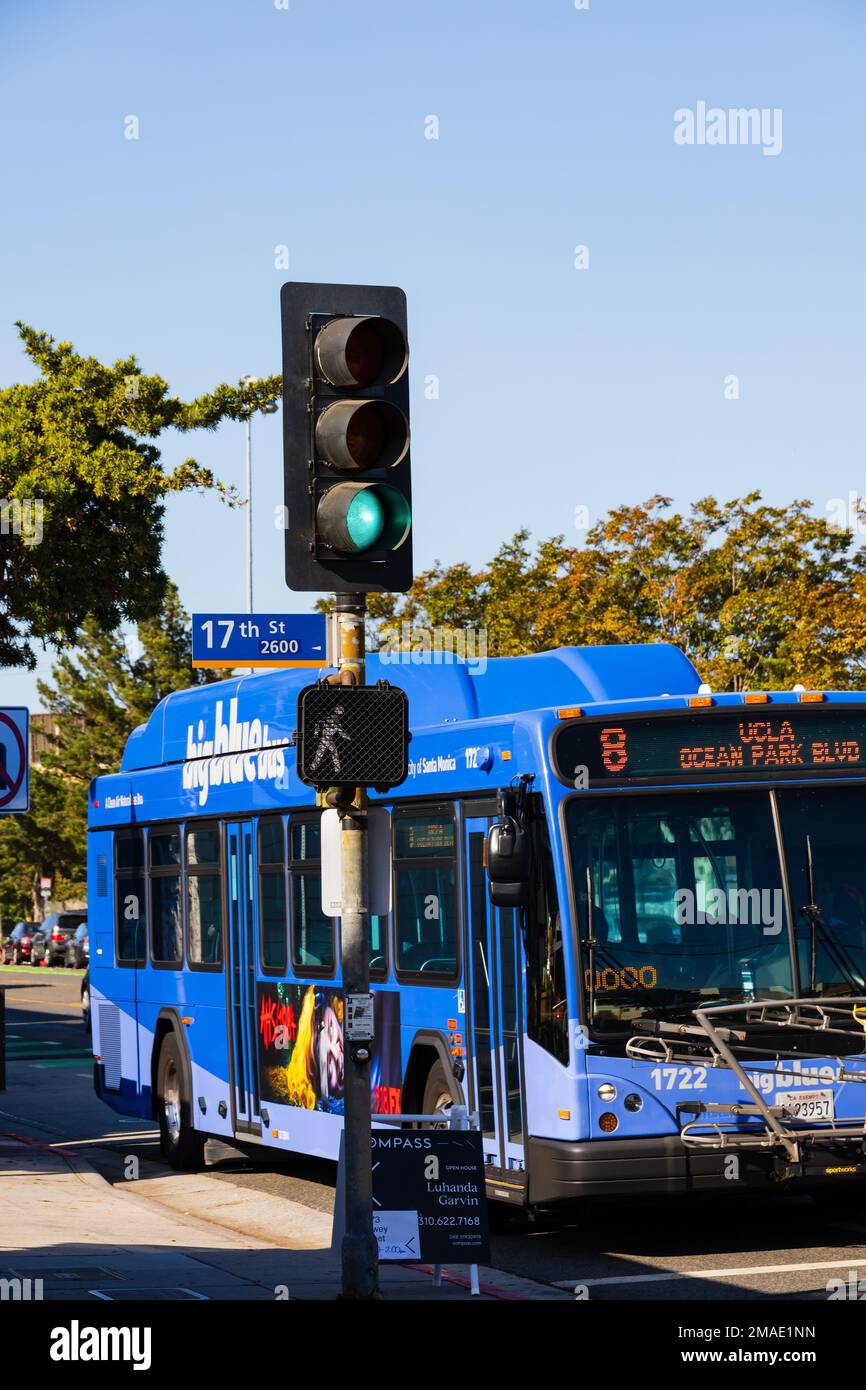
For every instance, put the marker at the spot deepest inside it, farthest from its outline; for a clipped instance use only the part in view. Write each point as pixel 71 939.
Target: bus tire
pixel 181 1145
pixel 437 1092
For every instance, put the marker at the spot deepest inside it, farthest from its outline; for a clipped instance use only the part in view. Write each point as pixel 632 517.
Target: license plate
pixel 807 1105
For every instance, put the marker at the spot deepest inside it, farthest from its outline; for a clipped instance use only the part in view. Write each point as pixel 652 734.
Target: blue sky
pixel 559 388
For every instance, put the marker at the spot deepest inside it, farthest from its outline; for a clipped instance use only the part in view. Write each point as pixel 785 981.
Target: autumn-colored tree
pixel 757 596
pixel 82 491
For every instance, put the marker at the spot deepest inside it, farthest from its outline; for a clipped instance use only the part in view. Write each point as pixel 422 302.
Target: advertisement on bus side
pixel 301 1047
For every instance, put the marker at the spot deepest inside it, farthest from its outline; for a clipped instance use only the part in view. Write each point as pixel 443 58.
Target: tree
pixel 27 843
pixel 757 596
pixel 83 491
pixel 99 693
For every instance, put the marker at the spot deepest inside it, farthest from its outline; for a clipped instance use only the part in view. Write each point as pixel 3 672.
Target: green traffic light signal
pixel 352 518
pixel 347 467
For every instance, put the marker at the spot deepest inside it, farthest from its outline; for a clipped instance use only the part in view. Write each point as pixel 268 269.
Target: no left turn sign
pixel 14 781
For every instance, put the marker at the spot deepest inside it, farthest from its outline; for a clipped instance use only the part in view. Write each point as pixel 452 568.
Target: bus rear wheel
pixel 181 1145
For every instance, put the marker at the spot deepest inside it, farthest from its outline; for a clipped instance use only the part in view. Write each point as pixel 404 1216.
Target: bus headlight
pixel 607 1092
pixel 633 1102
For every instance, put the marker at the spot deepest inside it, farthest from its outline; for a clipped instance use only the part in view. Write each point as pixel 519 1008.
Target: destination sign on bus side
pixel 679 748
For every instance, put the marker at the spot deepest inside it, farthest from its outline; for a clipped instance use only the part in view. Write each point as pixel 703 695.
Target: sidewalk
pixel 186 1236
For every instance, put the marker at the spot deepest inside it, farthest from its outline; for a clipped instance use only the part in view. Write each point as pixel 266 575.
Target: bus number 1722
pixel 671 1078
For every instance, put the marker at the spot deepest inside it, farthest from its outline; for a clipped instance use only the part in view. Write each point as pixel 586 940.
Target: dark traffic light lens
pixel 356 517
pixel 365 434
pixel 361 352
pixel 365 354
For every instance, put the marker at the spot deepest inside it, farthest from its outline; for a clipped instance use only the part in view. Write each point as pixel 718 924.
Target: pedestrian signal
pixel 353 736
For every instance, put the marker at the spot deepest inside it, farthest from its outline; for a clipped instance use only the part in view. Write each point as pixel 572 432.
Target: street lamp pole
pixel 265 410
pixel 250 514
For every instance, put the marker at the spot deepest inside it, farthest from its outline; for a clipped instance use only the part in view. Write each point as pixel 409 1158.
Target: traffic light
pixel 346 467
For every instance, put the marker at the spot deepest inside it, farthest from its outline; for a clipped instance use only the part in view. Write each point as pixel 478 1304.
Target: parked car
pixel 18 944
pixel 85 999
pixel 54 938
pixel 78 954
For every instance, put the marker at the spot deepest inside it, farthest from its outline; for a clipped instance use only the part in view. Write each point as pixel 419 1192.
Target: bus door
pixel 495 960
pixel 241 1011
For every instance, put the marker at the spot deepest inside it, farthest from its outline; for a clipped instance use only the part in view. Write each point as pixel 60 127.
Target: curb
pixel 487 1289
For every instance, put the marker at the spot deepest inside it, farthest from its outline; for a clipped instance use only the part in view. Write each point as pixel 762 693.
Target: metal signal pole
pixel 360 1256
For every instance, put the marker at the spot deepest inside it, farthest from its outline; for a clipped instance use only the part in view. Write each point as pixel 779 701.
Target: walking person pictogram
pixel 327 731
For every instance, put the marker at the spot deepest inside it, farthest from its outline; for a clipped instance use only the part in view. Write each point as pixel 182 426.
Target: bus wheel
pixel 437 1093
pixel 180 1144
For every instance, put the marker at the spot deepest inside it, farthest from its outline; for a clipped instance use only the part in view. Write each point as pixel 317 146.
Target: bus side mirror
pixel 508 864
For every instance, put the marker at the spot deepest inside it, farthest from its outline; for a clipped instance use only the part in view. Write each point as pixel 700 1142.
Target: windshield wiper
pixel 812 913
pixel 590 943
pixel 818 927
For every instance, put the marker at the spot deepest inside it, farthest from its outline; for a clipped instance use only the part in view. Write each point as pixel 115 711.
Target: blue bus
pixel 666 991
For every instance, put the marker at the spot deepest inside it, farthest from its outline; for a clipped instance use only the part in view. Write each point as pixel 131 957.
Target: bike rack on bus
pixel 781 1129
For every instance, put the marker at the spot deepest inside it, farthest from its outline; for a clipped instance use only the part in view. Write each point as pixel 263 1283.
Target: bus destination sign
pixel 746 745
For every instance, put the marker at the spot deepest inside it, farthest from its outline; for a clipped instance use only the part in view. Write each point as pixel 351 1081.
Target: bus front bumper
pixel 560 1171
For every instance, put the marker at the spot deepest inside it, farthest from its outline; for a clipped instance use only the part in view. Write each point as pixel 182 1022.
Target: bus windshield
pixel 686 903
pixel 824 833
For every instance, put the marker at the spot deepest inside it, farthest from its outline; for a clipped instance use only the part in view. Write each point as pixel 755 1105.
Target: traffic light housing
pixel 346 464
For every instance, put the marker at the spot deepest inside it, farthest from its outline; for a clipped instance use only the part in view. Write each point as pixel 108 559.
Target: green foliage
pixel 759 597
pixel 28 844
pixel 81 440
pixel 99 693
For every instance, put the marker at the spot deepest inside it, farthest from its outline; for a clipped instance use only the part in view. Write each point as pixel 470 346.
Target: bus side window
pixel 204 924
pixel 166 918
pixel 129 897
pixel 273 918
pixel 312 932
pixel 425 898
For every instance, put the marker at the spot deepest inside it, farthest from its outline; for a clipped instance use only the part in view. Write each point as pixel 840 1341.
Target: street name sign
pixel 14 758
pixel 223 640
